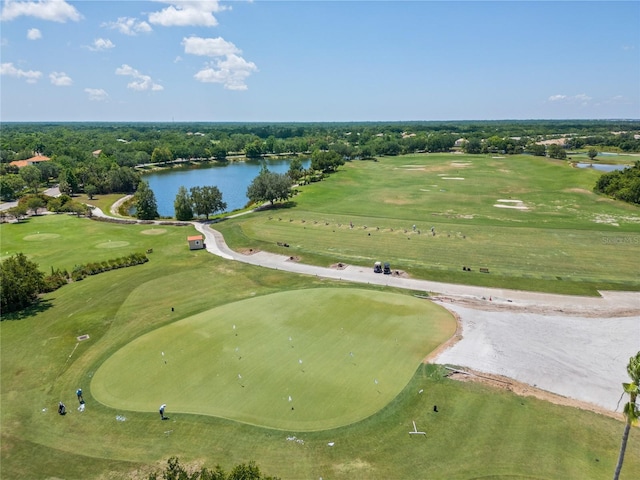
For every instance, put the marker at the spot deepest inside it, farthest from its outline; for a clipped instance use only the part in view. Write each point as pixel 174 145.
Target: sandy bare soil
pixel 579 357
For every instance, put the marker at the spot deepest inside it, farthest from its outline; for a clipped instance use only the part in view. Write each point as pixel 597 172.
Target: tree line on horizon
pixel 100 158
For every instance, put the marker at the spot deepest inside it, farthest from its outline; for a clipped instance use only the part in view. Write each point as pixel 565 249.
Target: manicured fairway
pixel 479 432
pixel 535 223
pixel 302 360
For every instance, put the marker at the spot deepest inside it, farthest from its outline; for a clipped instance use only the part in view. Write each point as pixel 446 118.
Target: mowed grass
pixel 479 432
pixel 562 238
pixel 302 360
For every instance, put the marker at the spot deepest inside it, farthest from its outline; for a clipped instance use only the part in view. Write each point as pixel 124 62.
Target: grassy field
pixel 533 222
pixel 478 432
pixel 302 360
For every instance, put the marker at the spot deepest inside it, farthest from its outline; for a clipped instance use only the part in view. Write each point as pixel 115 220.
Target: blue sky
pixel 285 61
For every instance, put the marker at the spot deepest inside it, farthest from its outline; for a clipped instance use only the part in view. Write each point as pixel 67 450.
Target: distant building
pixel 30 161
pixel 96 153
pixel 196 242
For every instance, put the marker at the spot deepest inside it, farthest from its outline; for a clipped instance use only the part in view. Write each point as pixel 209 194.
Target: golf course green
pixel 106 333
pixel 301 360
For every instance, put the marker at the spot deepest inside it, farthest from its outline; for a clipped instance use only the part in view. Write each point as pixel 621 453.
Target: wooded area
pixel 98 158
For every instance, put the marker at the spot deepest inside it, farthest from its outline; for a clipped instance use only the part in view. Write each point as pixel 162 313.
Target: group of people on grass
pixel 62 408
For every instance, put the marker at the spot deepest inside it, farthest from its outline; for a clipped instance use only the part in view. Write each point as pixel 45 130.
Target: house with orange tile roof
pixel 30 161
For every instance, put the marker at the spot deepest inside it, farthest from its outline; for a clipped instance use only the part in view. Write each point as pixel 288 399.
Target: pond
pixel 232 179
pixel 603 167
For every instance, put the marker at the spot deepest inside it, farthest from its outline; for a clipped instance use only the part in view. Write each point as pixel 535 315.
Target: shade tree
pixel 182 205
pixel 145 203
pixel 31 176
pixel 22 281
pixel 269 187
pixel 207 200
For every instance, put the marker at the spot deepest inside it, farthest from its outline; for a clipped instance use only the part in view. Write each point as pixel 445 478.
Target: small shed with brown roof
pixel 196 242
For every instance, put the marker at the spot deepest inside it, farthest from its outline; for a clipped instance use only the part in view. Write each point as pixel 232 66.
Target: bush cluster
pixel 242 471
pixel 122 221
pixel 81 271
pixel 55 280
pixel 623 185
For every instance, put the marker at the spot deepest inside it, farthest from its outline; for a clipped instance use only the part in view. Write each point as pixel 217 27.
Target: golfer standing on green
pixel 162 407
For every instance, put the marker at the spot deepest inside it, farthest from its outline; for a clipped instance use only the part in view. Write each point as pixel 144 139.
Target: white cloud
pixel 129 26
pixel 34 34
pixel 97 94
pixel 101 44
pixel 52 10
pixel 582 98
pixel 8 69
pixel 141 82
pixel 60 79
pixel 231 72
pixel 209 47
pixel 187 13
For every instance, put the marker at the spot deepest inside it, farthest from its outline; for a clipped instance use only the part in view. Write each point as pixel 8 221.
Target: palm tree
pixel 631 410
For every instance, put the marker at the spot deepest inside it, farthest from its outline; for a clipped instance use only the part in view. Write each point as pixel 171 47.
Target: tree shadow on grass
pixel 31 311
pixel 277 206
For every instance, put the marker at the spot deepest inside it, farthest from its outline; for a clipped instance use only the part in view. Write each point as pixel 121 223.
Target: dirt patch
pixel 354 465
pixel 515 204
pixel 248 251
pixel 577 190
pixel 40 237
pixel 110 244
pixel 293 258
pixel 397 201
pixel 338 266
pixel 399 274
pixel 432 168
pixel 153 231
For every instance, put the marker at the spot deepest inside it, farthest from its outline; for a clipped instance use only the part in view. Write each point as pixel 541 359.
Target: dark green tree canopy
pixel 31 176
pixel 207 200
pixel 556 151
pixel 623 185
pixel 326 161
pixel 145 202
pixel 182 205
pixel 269 187
pixel 11 186
pixel 21 283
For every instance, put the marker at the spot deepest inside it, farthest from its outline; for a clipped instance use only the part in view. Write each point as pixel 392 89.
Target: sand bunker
pixel 452 178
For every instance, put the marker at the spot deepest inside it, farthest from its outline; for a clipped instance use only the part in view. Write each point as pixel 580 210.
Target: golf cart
pixel 377 267
pixel 387 268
